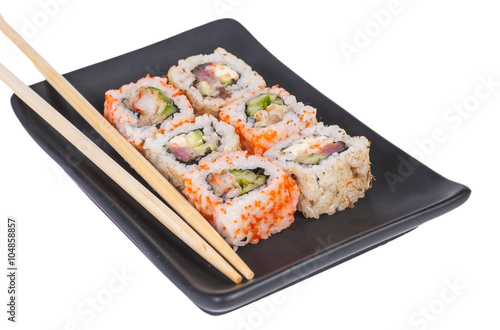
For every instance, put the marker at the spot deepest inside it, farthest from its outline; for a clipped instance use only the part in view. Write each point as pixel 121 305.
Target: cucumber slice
pixel 261 102
pixel 312 159
pixel 278 101
pixel 247 187
pixel 258 103
pixel 252 109
pixel 249 177
pixel 170 107
pixel 170 110
pixel 260 179
pixel 194 139
pixel 248 180
pixel 241 174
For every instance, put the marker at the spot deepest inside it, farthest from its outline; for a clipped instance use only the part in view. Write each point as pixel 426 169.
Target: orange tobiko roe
pixel 257 140
pixel 252 216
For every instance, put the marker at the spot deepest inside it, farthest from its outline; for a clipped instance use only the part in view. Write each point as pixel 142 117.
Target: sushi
pixel 245 197
pixel 266 116
pixel 142 109
pixel 179 151
pixel 193 131
pixel 210 81
pixel 331 168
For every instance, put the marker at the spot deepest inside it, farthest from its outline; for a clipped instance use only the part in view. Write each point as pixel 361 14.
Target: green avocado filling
pixel 226 79
pixel 205 88
pixel 194 139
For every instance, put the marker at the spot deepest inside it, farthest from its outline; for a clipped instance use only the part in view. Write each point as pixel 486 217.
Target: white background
pixel 402 81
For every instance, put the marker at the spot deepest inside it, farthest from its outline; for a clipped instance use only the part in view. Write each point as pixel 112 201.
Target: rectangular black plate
pixel 308 246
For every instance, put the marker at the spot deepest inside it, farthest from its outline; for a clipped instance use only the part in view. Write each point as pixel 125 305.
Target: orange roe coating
pixel 119 119
pixel 258 140
pixel 252 216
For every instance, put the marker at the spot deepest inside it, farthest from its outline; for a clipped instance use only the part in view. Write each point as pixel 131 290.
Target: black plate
pixel 413 195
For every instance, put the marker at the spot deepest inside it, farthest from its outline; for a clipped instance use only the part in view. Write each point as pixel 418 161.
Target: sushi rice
pixel 211 81
pixel 331 168
pixel 266 116
pixel 254 213
pixel 179 151
pixel 290 160
pixel 141 110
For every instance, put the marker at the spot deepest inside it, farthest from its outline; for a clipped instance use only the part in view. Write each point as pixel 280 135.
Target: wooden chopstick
pixel 173 197
pixel 140 193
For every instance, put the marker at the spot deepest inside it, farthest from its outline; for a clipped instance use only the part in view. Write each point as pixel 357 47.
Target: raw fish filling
pixel 235 183
pixel 212 79
pixel 190 148
pixel 312 150
pixel 266 109
pixel 151 104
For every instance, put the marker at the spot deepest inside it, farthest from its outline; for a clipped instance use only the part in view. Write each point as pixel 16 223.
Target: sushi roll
pixel 179 151
pixel 331 168
pixel 210 81
pixel 266 116
pixel 246 198
pixel 142 109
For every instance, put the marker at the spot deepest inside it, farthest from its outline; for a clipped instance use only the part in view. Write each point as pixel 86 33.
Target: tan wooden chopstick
pixel 173 197
pixel 154 205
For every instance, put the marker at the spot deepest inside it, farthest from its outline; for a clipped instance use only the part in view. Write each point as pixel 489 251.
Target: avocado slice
pixel 226 79
pixel 203 149
pixel 194 138
pixel 278 100
pixel 205 88
pixel 206 148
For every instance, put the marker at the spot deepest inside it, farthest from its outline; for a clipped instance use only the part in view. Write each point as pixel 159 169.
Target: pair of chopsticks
pixel 207 249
